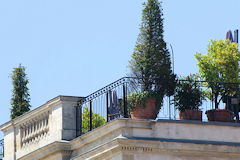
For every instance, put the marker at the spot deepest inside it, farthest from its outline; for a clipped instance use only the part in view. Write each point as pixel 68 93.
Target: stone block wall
pixel 51 122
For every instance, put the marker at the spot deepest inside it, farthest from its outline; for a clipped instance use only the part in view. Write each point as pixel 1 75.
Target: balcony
pixel 111 101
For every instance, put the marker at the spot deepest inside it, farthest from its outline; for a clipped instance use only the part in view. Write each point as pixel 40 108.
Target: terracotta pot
pixel 149 112
pixel 220 115
pixel 190 115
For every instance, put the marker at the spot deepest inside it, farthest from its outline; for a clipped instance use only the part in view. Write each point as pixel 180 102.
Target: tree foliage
pixel 97 120
pixel 220 68
pixel 151 59
pixel 188 93
pixel 20 96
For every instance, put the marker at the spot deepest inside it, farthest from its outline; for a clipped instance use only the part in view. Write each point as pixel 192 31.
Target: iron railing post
pixel 169 104
pixel 90 115
pixel 124 101
pixel 107 105
pixel 2 148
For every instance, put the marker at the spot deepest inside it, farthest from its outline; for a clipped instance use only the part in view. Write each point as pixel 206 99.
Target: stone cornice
pixel 41 109
pixel 177 146
pixel 120 127
pixel 132 145
pixel 201 123
pixel 110 127
pixel 144 124
pixel 58 146
pixel 105 151
pixel 184 141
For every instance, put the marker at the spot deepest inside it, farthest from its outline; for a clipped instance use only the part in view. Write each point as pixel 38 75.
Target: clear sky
pixel 74 47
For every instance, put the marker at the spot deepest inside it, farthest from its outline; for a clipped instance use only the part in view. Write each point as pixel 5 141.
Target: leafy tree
pixel 20 95
pixel 188 93
pixel 97 120
pixel 220 68
pixel 150 61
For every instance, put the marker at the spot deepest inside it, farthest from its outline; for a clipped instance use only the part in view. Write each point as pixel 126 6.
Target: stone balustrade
pixel 53 121
pixel 34 129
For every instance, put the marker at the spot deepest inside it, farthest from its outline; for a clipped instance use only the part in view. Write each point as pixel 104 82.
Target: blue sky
pixel 74 47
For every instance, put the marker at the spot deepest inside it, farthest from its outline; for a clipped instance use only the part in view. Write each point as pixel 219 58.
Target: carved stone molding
pixel 34 129
pixel 134 148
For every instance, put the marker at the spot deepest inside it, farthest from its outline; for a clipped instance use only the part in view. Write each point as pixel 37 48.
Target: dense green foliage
pixel 188 93
pixel 97 120
pixel 20 95
pixel 150 61
pixel 140 98
pixel 220 65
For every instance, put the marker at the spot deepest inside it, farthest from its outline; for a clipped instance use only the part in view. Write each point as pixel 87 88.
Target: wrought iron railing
pixel 110 102
pixel 1 148
pixel 99 105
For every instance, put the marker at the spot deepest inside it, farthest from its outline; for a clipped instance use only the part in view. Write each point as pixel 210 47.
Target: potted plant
pixel 144 105
pixel 221 71
pixel 150 65
pixel 188 97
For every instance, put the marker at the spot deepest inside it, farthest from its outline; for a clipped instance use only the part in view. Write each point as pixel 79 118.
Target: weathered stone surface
pixel 54 121
pixel 140 140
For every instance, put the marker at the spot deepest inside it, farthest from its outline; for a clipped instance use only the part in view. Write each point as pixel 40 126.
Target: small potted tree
pixel 221 71
pixel 150 65
pixel 144 105
pixel 188 97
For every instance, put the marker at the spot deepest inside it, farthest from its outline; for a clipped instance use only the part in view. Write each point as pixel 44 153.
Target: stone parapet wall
pixel 40 127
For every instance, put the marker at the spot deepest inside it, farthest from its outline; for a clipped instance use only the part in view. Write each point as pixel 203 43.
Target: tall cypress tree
pixel 20 95
pixel 151 59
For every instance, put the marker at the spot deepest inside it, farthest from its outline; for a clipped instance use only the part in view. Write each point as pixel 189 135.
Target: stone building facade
pixel 50 133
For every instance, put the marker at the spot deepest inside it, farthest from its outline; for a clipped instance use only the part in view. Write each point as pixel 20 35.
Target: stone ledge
pixel 58 146
pixel 156 146
pixel 109 128
pixel 99 151
pixel 141 124
pixel 36 111
pixel 145 146
pixel 177 135
pixel 199 122
pixel 185 141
